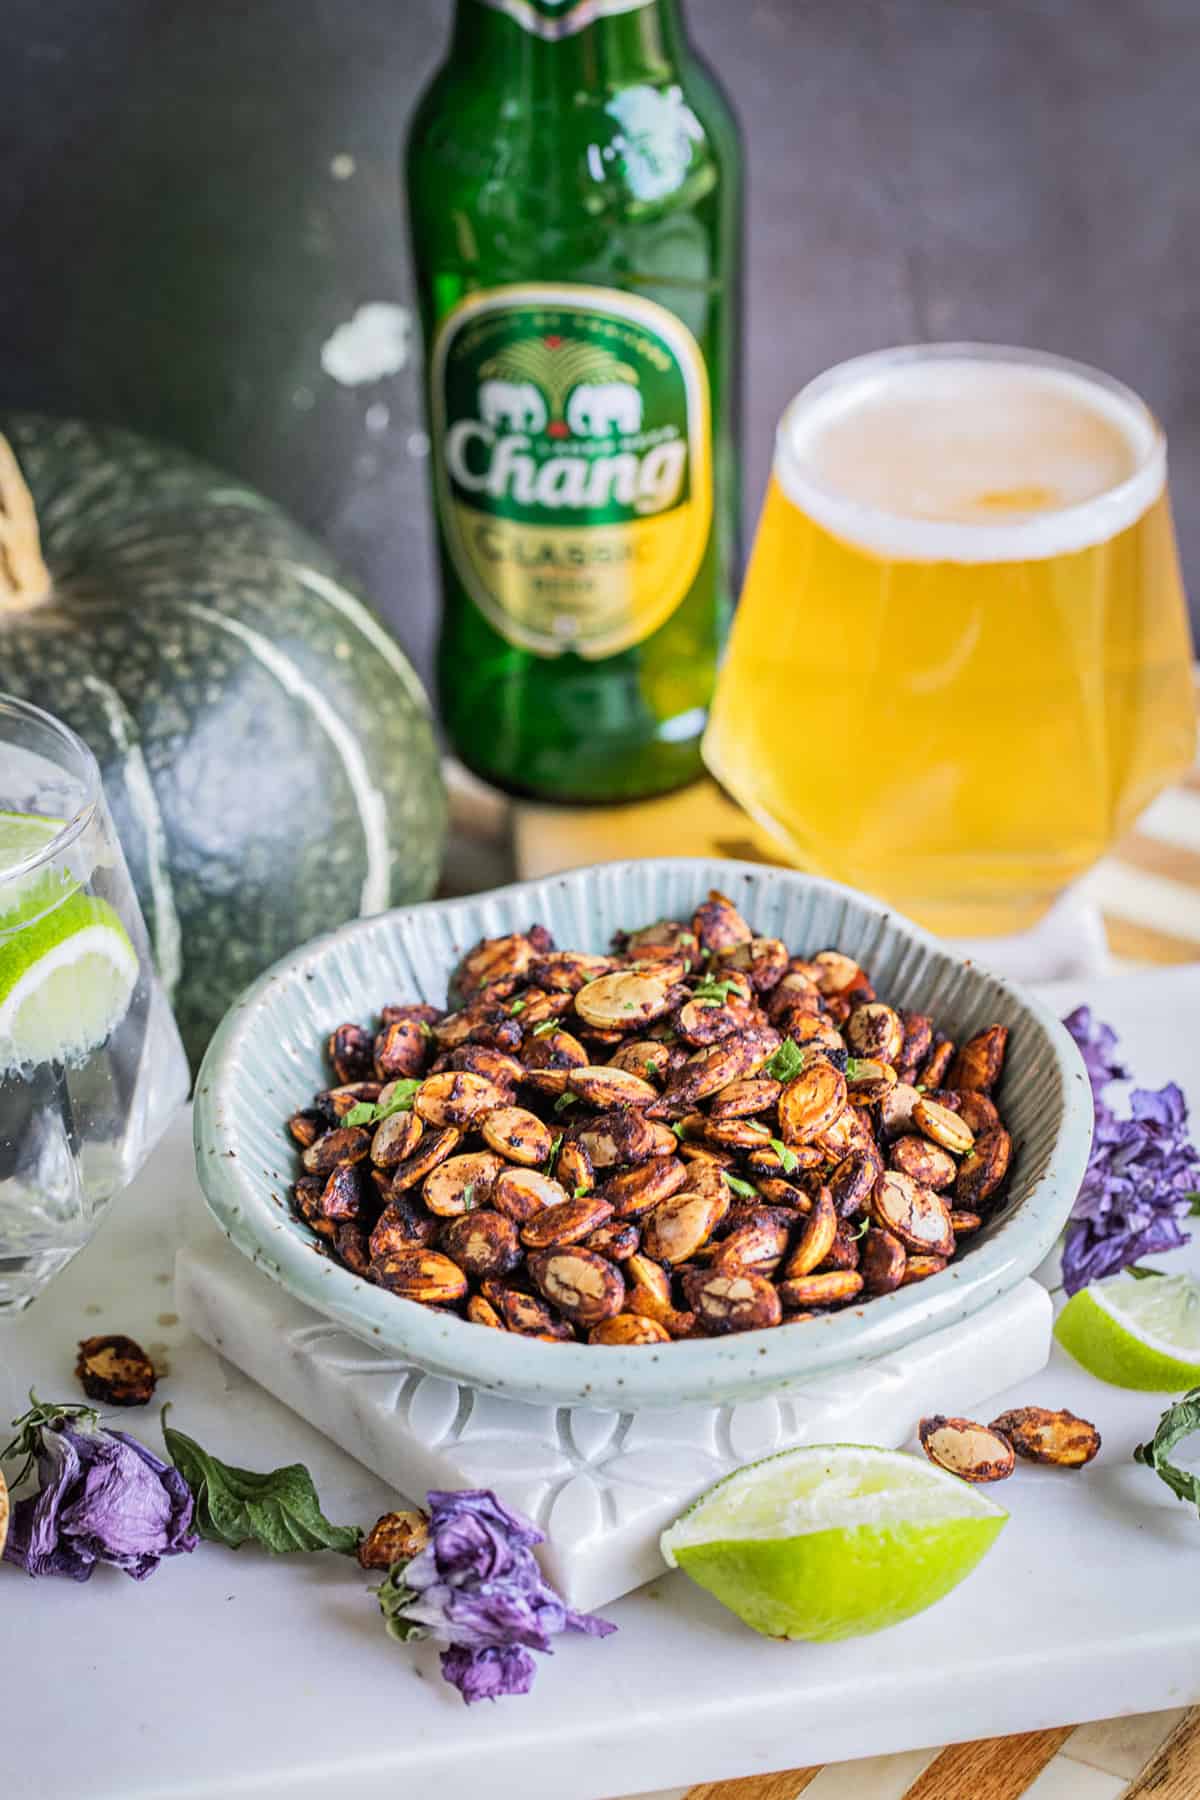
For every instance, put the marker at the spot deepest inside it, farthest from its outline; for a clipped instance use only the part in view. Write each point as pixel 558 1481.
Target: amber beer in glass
pixel 961 666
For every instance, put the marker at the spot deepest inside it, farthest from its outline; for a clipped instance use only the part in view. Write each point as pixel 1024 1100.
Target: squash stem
pixel 24 577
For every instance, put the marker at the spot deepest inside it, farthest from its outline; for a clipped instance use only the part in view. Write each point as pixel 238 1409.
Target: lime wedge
pixel 833 1540
pixel 1136 1334
pixel 67 976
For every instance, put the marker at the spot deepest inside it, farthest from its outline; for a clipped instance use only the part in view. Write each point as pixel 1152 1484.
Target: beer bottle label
pixel 573 461
pixel 554 19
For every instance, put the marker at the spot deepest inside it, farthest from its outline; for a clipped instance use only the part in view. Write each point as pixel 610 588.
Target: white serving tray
pixel 227 1675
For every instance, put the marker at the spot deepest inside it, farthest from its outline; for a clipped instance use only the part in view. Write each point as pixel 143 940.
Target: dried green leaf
pixel 1181 1420
pixel 278 1510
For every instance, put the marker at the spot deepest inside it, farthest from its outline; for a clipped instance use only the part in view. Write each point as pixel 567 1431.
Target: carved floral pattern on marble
pixel 578 1472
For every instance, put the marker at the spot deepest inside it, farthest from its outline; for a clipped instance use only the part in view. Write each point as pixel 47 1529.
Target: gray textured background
pixel 175 248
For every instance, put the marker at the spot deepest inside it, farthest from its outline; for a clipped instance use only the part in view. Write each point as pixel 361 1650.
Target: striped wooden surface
pixel 1148 892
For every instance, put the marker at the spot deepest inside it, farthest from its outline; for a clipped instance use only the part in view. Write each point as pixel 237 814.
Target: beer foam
pixel 969 453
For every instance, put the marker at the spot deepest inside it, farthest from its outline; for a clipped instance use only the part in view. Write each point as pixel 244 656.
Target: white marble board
pixel 228 1675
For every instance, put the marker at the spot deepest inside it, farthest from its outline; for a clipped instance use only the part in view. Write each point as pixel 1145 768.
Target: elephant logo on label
pixel 512 405
pixel 597 409
pixel 559 387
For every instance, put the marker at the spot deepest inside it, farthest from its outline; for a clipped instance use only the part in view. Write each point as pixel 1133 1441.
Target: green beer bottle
pixel 574 187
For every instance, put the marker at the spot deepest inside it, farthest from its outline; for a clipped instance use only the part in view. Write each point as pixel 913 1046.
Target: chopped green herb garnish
pixel 787 1158
pixel 545 1028
pixel 468 1196
pixel 668 1035
pixel 744 1189
pixel 686 937
pixel 677 1128
pixel 714 992
pixel 1140 1272
pixel 555 1147
pixel 369 1112
pixel 426 1029
pixel 787 1061
pixel 581 1191
pixel 862 1227
pixel 563 1101
pixel 853 1067
pixel 518 1006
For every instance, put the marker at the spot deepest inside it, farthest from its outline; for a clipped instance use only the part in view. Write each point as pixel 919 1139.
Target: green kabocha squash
pixel 266 748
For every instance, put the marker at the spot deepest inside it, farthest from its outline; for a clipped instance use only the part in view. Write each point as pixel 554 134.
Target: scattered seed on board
pixel 973 1452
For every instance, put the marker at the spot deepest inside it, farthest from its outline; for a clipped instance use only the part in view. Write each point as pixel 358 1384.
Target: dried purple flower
pixel 102 1497
pixel 477 1589
pixel 1141 1174
pixel 488 1674
pixel 1096 1043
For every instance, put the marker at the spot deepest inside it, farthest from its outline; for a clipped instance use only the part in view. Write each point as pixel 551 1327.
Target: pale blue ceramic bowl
pixel 267 1059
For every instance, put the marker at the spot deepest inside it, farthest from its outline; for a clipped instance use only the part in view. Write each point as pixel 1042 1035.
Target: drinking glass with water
pixel 91 1066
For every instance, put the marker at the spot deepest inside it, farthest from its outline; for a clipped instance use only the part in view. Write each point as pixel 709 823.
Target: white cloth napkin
pixel 1069 944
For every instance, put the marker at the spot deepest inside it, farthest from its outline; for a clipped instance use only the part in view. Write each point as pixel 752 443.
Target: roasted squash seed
pixel 628 1328
pixel 585 1288
pixel 607 1086
pixel 738 1302
pixel 943 1126
pixel 979 1063
pixel 1043 1436
pixel 523 1193
pixel 519 1135
pixel 970 1451
pixel 565 1223
pixel 624 1000
pixel 460 1183
pixel 925 1162
pixel 811 1102
pixel 914 1214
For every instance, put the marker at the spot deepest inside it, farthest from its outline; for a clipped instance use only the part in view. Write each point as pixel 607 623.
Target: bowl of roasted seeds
pixel 652 1133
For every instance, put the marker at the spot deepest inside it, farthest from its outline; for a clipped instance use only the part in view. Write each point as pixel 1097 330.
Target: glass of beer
pixel 961 666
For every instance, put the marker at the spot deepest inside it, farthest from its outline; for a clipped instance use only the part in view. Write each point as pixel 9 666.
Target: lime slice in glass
pixel 67 976
pixel 22 835
pixel 833 1540
pixel 1136 1334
